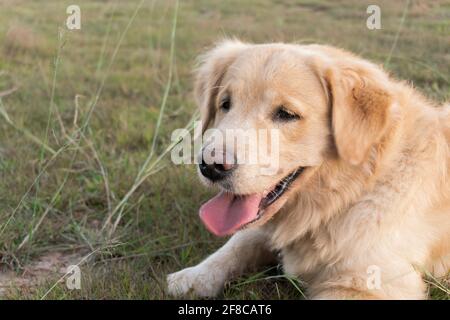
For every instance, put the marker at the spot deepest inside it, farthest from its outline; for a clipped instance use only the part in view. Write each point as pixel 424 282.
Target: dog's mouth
pixel 227 213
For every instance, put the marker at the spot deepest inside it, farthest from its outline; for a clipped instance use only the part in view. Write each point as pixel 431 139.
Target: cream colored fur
pixel 376 193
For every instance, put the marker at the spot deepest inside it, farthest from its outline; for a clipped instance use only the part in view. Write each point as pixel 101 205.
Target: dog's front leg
pixel 246 249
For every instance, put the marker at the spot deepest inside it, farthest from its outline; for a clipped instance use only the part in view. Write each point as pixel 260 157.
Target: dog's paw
pixel 196 280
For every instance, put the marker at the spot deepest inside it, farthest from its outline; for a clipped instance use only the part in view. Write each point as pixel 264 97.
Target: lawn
pixel 86 118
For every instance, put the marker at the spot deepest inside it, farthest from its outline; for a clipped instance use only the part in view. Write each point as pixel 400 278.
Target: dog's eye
pixel 284 115
pixel 225 104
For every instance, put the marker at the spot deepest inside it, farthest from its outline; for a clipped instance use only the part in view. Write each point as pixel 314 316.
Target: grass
pixel 86 118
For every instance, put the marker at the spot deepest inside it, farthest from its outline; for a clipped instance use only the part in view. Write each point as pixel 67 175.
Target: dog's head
pixel 300 105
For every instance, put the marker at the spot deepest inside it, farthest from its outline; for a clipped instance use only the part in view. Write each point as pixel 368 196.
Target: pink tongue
pixel 226 213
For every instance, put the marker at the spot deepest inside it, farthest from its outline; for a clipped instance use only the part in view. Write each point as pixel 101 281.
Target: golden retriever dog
pixel 360 205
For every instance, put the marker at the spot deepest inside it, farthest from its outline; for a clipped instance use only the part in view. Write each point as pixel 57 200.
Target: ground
pixel 80 111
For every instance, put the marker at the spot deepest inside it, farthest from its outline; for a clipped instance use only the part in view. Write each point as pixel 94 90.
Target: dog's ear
pixel 361 103
pixel 212 67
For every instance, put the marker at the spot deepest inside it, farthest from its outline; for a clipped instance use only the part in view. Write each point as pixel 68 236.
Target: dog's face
pixel 282 96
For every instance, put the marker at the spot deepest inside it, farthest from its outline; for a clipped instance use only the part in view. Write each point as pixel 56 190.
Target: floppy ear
pixel 361 104
pixel 213 65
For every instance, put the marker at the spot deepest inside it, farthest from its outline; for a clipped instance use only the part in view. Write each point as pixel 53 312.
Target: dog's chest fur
pixel 358 222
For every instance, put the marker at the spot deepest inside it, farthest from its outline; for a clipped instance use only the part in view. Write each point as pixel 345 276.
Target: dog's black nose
pixel 215 171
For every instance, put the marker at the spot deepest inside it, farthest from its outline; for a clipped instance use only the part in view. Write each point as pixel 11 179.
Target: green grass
pixel 83 138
